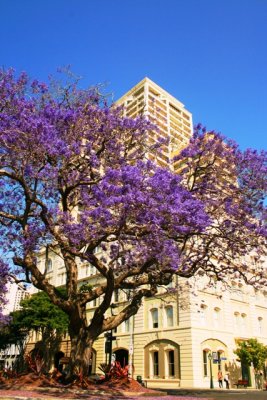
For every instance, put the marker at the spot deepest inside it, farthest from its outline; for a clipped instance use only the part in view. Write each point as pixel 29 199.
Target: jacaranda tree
pixel 75 175
pixel 233 185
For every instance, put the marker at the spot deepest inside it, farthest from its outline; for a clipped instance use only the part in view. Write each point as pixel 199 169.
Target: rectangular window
pixel 216 317
pixel 171 363
pixel 87 270
pixel 260 325
pixel 169 315
pixel 92 270
pixel 155 318
pixel 219 360
pixel 116 295
pixel 205 362
pixel 127 325
pixel 49 265
pixel 203 314
pixel 156 363
pixel 62 278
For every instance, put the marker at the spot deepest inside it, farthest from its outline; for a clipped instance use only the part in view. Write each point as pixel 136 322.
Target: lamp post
pixel 211 377
pixel 109 338
pixel 131 347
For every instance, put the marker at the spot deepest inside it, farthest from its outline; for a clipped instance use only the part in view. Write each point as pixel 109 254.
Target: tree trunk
pixel 81 352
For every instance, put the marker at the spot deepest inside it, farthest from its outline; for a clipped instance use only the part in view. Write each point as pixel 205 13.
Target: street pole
pixel 131 346
pixel 110 350
pixel 211 377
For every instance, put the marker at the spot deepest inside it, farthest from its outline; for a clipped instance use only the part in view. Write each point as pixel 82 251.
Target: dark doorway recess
pixel 122 356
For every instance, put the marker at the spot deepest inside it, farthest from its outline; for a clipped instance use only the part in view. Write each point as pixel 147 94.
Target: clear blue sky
pixel 210 54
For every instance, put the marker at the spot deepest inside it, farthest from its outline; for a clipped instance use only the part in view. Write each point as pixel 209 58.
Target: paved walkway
pixel 44 394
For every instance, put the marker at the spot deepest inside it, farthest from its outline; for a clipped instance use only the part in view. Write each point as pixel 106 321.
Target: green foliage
pixel 40 314
pixel 86 288
pixel 12 334
pixel 252 351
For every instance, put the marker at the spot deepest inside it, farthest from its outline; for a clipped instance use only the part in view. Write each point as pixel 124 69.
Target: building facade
pixel 179 338
pixel 173 121
pixel 15 293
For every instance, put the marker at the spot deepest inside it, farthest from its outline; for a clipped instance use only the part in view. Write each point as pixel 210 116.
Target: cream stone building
pixel 183 336
pixel 170 339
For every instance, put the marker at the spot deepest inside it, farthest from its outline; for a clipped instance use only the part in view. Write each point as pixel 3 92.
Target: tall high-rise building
pixel 173 121
pixel 15 293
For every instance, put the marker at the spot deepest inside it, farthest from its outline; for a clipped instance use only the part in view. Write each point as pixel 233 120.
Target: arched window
pixel 203 314
pixel 205 362
pixel 220 354
pixel 127 325
pixel 162 360
pixel 216 317
pixel 237 291
pixel 169 315
pixel 154 318
pixel 155 362
pixel 237 321
pixel 260 325
pixel 243 323
pixel 171 366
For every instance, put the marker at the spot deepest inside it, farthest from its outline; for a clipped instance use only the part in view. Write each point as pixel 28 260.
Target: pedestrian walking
pixel 220 379
pixel 226 379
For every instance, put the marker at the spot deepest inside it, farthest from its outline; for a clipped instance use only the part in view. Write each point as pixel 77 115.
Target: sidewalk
pixel 44 394
pixel 68 394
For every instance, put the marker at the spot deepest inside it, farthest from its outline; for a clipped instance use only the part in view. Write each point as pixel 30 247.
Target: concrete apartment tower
pixel 15 294
pixel 169 114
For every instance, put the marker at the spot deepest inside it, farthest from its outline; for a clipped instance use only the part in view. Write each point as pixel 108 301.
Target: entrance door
pixel 122 356
pixel 57 358
pixel 246 373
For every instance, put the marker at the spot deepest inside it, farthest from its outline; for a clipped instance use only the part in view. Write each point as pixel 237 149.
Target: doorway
pixel 57 358
pixel 122 356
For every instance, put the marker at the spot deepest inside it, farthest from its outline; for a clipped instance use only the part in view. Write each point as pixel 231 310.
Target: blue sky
pixel 210 54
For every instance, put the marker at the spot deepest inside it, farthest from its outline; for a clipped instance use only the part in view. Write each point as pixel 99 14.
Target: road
pixel 220 394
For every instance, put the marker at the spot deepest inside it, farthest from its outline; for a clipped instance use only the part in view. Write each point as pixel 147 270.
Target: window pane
pixel 171 363
pixel 219 360
pixel 155 363
pixel 116 295
pixel 155 318
pixel 205 363
pixel 169 315
pixel 243 323
pixel 260 325
pixel 49 265
pixel 127 325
